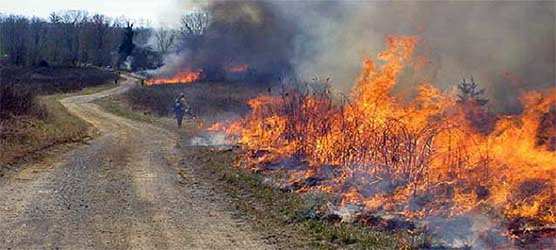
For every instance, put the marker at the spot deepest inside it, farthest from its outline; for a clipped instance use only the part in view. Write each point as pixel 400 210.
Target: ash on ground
pixel 210 139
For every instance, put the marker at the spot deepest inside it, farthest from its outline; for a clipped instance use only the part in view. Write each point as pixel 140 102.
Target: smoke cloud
pixel 504 45
pixel 461 39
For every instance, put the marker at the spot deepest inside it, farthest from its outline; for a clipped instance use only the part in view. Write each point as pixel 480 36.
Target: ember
pixel 419 160
pixel 239 68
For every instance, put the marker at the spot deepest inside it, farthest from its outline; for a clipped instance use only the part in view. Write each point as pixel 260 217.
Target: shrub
pixel 16 100
pixel 51 80
pixel 20 86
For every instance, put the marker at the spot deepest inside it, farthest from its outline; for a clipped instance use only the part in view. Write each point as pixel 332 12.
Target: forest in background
pixel 73 38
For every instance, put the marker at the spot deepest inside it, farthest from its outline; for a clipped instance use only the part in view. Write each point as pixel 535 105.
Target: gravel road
pixel 121 191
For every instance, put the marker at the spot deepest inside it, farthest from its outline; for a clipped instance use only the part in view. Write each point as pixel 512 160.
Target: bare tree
pixel 192 28
pixel 194 24
pixel 101 26
pixel 54 18
pixel 64 38
pixel 38 40
pixel 14 39
pixel 165 39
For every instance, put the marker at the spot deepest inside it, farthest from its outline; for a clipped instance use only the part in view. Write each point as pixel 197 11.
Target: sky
pixel 152 10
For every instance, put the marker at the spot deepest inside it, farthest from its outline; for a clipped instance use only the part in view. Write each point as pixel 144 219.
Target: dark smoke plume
pixel 504 45
pixel 249 33
pixel 239 33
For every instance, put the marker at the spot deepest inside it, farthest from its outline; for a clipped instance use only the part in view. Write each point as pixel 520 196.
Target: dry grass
pixel 207 99
pixel 52 80
pixel 24 137
pixel 31 121
pixel 20 86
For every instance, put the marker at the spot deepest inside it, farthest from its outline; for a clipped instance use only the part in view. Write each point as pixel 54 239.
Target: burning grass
pixel 423 160
pixel 182 77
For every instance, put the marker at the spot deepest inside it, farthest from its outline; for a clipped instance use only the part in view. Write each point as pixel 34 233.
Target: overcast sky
pixel 153 10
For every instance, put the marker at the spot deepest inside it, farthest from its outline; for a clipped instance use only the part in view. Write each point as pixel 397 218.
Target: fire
pixel 239 68
pixel 181 77
pixel 422 158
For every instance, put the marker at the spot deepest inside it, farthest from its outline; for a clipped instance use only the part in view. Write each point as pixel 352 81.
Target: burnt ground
pixel 123 190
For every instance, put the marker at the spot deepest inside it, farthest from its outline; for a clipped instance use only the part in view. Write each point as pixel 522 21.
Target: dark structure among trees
pixel 127 45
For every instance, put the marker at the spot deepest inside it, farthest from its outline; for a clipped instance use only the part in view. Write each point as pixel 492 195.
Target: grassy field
pixel 278 215
pixel 25 138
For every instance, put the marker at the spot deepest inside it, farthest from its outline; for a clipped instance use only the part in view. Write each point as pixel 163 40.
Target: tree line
pixel 76 38
pixel 70 37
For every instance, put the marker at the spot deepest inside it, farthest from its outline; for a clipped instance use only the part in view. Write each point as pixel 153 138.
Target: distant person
pixel 180 108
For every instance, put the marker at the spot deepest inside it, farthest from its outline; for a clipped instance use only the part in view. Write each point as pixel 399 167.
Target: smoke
pixel 330 38
pixel 247 32
pixel 172 63
pixel 237 33
pixel 213 139
pixel 461 39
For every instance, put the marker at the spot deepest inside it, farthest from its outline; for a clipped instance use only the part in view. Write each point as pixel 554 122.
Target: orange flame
pixel 426 152
pixel 181 77
pixel 239 68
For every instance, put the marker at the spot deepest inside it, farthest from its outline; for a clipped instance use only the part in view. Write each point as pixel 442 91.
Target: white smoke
pixel 214 139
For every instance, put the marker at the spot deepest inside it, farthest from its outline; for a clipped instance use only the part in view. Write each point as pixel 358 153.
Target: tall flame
pixel 418 159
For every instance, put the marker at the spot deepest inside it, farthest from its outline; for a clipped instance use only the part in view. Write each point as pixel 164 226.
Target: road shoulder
pixel 35 144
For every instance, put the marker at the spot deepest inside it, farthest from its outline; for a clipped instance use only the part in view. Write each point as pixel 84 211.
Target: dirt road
pixel 121 191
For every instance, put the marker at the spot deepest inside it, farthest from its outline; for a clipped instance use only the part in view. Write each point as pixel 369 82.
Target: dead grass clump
pixel 25 136
pixel 19 101
pixel 206 99
pixel 156 99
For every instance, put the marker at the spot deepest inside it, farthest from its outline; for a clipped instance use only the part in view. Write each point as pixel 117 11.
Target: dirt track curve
pixel 121 191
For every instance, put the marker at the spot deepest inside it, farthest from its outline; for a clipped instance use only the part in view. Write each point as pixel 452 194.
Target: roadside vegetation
pixel 32 118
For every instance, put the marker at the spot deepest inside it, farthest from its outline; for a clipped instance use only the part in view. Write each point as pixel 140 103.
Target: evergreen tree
pixel 127 45
pixel 470 92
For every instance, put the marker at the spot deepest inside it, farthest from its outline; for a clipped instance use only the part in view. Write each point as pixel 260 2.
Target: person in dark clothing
pixel 180 108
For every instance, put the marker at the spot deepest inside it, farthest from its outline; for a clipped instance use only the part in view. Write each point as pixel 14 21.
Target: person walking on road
pixel 180 108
